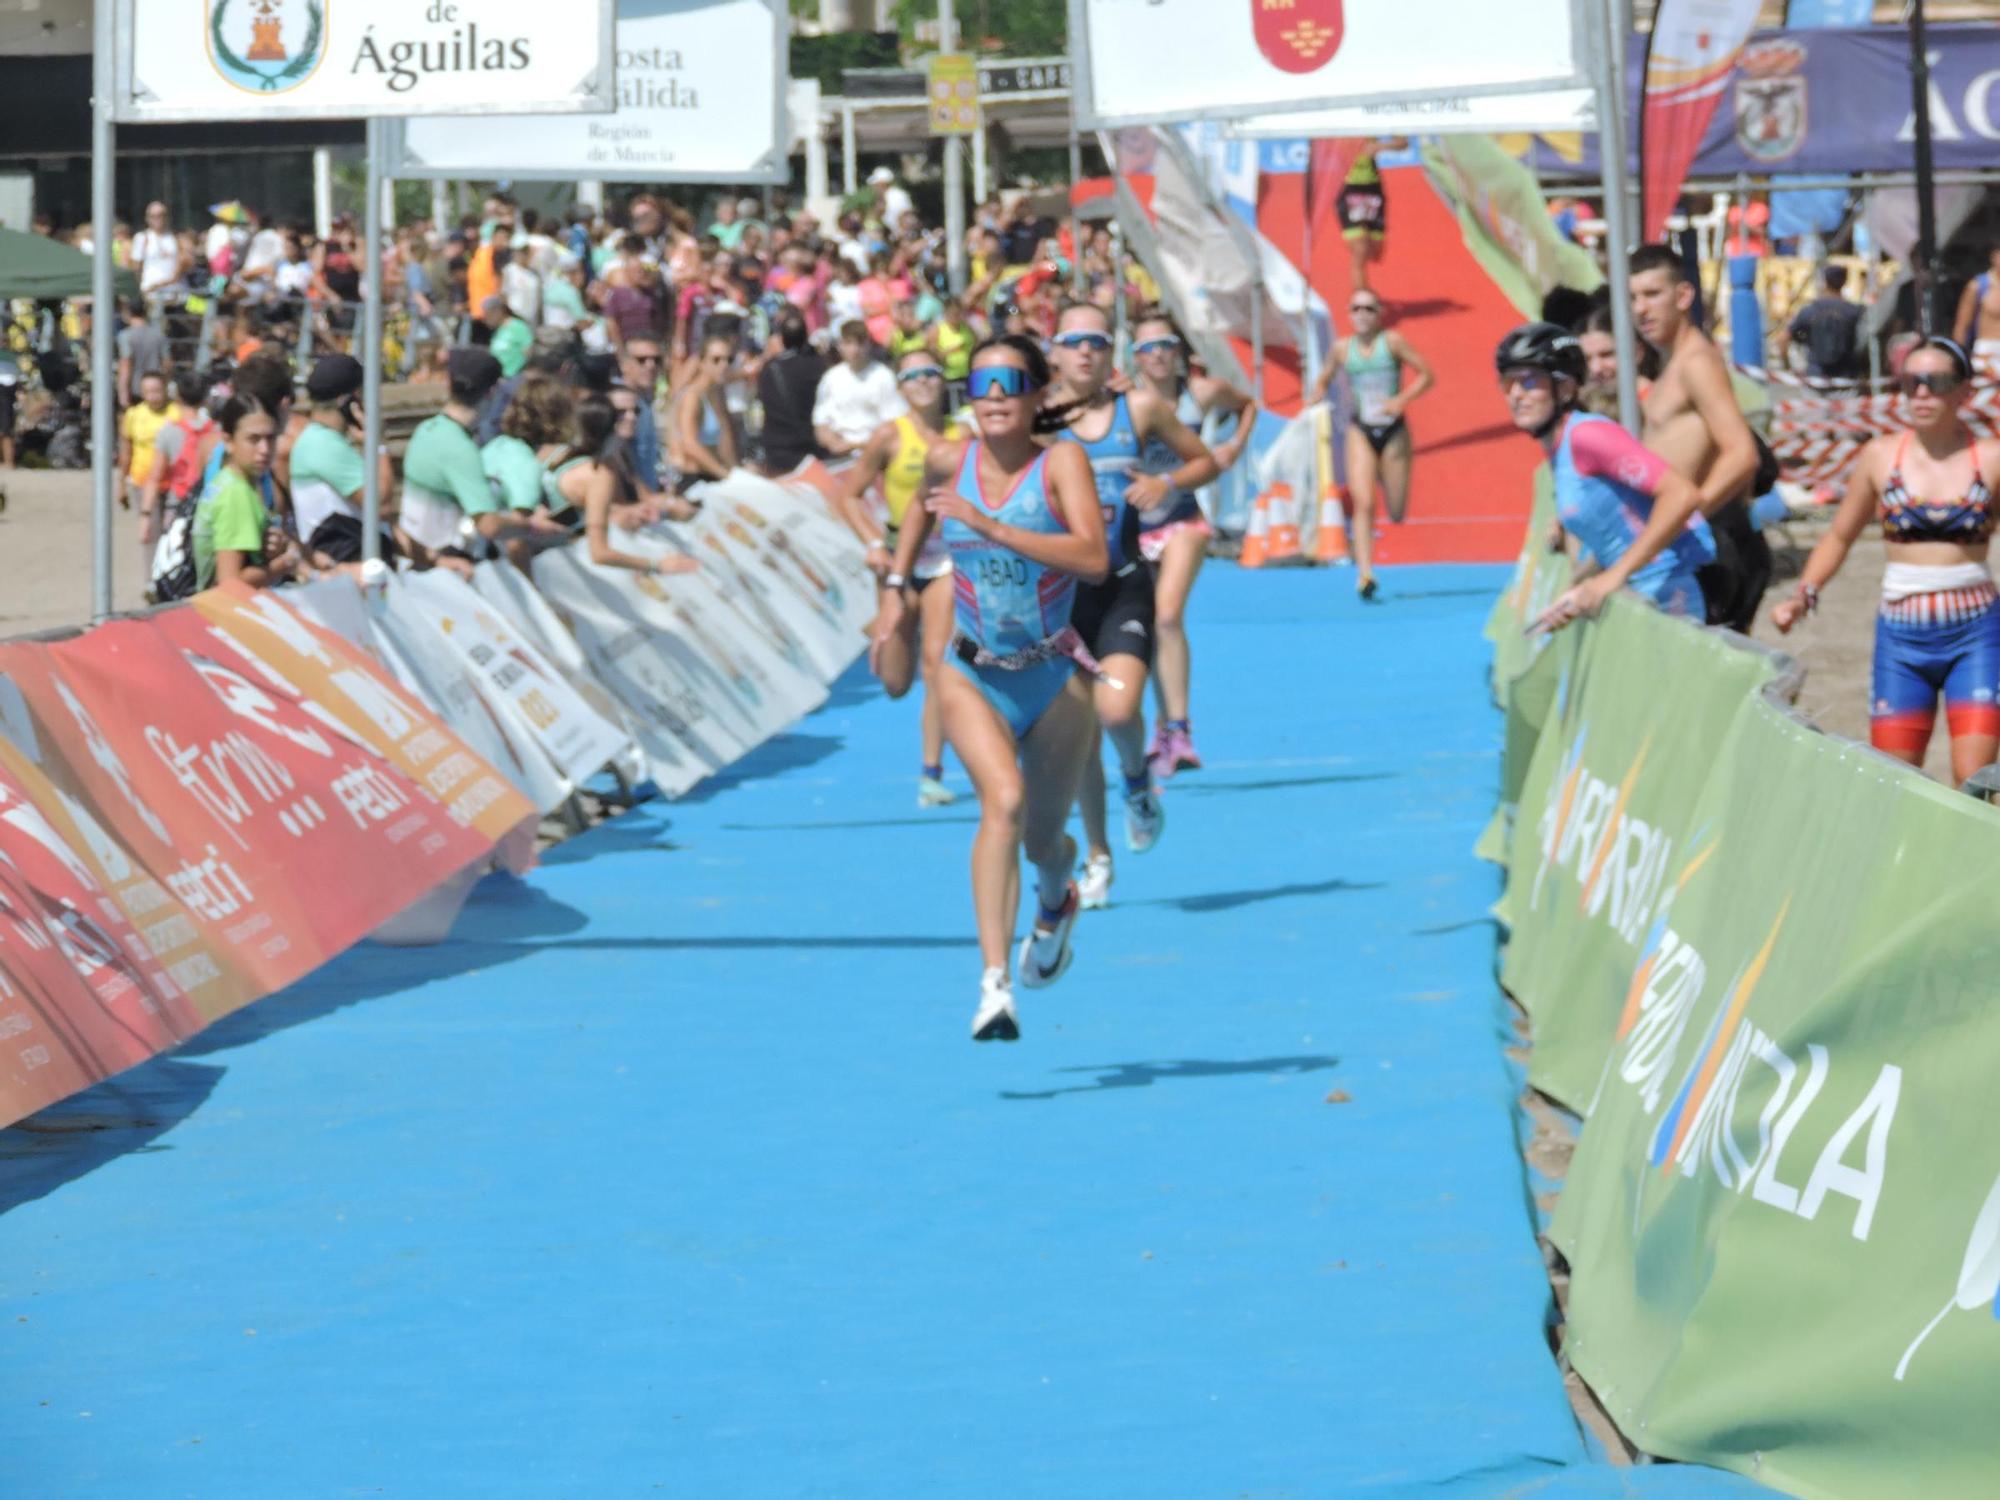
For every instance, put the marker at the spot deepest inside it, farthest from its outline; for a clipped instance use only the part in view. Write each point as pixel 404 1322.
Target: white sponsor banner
pixel 349 59
pixel 680 704
pixel 424 663
pixel 1152 61
pixel 701 98
pixel 516 678
pixel 522 606
pixel 1555 112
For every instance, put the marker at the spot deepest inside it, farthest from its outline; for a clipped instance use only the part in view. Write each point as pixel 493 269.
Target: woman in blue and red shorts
pixel 1939 627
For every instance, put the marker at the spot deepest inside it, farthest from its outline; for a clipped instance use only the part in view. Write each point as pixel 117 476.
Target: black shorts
pixel 1733 585
pixel 1362 210
pixel 7 410
pixel 1379 437
pixel 1115 617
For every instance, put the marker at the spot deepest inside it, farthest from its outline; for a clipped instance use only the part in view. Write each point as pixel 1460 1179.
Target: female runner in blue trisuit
pixel 1022 523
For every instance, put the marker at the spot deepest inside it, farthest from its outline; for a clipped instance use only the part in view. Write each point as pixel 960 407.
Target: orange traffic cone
pixel 1330 545
pixel 1283 542
pixel 1256 541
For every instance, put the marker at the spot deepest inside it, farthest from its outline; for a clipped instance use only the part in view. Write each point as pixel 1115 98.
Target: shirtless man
pixel 1693 422
pixel 1978 321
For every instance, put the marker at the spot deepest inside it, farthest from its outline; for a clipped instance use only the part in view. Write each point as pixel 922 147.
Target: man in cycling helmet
pixel 1634 519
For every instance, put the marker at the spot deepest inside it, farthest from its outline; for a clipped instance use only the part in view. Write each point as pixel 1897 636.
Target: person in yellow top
pixel 895 453
pixel 138 430
pixel 952 340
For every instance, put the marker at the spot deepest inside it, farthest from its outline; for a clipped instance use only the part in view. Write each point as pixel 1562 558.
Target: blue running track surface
pixel 676 1173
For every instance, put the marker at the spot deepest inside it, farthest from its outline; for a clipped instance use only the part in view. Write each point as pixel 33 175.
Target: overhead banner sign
pixel 352 59
pixel 1830 103
pixel 701 98
pixel 1444 114
pixel 1155 61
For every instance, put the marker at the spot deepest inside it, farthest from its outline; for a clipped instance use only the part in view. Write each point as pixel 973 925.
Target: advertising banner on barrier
pixel 1152 61
pixel 99 962
pixel 516 680
pixel 701 98
pixel 350 59
pixel 1603 840
pixel 1782 1222
pixel 670 692
pixel 342 682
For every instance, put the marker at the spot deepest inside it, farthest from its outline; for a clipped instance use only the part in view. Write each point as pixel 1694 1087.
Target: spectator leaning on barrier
pixel 788 389
pixel 329 473
pixel 447 499
pixel 639 363
pixel 1829 327
pixel 855 397
pixel 234 540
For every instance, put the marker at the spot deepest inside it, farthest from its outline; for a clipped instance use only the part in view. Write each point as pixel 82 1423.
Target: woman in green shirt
pixel 233 535
pixel 539 416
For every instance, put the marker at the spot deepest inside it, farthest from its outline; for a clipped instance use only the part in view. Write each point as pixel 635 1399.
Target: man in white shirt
pixel 891 195
pixel 261 260
pixel 855 396
pixel 156 255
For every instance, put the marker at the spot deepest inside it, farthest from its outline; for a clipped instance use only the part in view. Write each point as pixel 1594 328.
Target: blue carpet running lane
pixel 676 1173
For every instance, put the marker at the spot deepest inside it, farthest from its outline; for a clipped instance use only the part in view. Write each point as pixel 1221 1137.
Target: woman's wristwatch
pixel 894 581
pixel 1809 596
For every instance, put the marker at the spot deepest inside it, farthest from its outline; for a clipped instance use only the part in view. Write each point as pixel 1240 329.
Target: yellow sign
pixel 954 94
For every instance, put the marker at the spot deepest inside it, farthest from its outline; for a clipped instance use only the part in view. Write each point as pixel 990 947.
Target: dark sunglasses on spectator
pixel 1374 307
pixel 644 359
pixel 625 411
pixel 1938 384
pixel 920 372
pixel 998 380
pixel 1157 346
pixel 1096 343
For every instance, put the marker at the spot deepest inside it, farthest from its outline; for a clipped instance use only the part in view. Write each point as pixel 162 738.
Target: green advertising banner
pixel 1763 963
pixel 1506 221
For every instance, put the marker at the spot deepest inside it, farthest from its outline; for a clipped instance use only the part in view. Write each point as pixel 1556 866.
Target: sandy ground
pixel 45 530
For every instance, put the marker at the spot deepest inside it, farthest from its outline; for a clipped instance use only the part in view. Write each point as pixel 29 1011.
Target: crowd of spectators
pixel 596 366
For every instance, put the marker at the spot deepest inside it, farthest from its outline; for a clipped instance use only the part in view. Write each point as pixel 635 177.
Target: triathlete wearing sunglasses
pixel 895 455
pixel 1938 628
pixel 1023 525
pixel 1115 617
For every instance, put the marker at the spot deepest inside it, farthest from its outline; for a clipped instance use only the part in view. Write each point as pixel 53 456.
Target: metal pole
pixel 954 171
pixel 322 191
pixel 371 351
pixel 103 313
pixel 440 210
pixel 850 170
pixel 1075 218
pixel 1619 24
pixel 1617 217
pixel 1923 264
pixel 1121 343
pixel 979 173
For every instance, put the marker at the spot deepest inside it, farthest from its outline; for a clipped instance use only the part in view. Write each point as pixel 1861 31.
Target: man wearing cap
pixel 444 482
pixel 328 472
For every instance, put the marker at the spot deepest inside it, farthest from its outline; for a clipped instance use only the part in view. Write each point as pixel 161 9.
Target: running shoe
pixel 1093 888
pixel 934 793
pixel 995 1020
pixel 1145 819
pixel 1173 750
pixel 1367 591
pixel 1045 952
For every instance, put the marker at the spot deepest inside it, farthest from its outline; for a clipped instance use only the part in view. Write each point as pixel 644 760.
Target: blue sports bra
pixel 1905 518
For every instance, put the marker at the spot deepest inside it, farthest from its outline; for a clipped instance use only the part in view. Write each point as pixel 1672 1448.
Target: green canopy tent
pixel 32 265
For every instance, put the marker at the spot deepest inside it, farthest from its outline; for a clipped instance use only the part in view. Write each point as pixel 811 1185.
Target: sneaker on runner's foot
pixel 934 793
pixel 995 1020
pixel 1173 750
pixel 1145 819
pixel 1093 887
pixel 1045 952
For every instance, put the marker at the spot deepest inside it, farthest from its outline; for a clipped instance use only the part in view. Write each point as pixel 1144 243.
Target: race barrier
pixel 200 805
pixel 1760 964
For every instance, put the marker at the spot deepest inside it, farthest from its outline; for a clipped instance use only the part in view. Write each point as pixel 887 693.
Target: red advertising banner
pixel 1689 59
pixel 197 809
